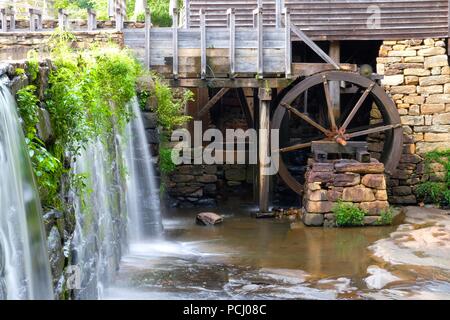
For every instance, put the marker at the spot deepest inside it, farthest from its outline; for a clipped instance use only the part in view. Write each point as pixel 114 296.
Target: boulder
pixel 311 219
pixel 208 218
pixel 357 167
pixel 55 252
pixel 374 207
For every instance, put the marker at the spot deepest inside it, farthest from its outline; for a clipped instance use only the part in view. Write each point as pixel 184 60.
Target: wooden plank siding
pixel 338 19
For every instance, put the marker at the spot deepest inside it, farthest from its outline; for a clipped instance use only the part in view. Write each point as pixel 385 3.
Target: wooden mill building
pixel 318 58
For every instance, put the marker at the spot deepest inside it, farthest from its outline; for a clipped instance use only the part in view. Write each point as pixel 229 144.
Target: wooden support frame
pixel 249 117
pixel 148 26
pixel 211 103
pixel 335 86
pixel 258 25
pixel 265 97
pixel 202 44
pixel 63 21
pixel 278 13
pixel 187 17
pixel 299 33
pixel 287 43
pixel 232 49
pixel 91 20
pixel 175 42
pixel 35 16
pixel 4 13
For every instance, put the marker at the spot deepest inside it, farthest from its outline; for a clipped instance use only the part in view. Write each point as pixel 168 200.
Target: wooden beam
pixel 202 43
pixel 287 43
pixel 211 103
pixel 313 46
pixel 148 26
pixel 245 107
pixel 265 96
pixel 258 24
pixel 175 43
pixel 187 17
pixel 335 86
pixel 232 51
pixel 92 20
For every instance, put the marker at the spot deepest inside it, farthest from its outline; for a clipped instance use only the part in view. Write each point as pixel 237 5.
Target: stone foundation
pixel 417 77
pixel 15 46
pixel 363 184
pixel 203 185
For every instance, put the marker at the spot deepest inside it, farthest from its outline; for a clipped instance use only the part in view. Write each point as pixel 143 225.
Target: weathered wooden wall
pixel 339 19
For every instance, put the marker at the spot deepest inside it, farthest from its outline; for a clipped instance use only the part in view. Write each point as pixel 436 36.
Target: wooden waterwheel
pixel 309 103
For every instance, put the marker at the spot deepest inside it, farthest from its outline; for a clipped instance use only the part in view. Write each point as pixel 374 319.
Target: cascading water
pixel 143 193
pixel 99 214
pixel 24 264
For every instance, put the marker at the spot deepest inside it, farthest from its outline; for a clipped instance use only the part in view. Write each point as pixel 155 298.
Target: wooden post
pixel 148 25
pixel 32 20
pixel 232 50
pixel 258 24
pixel 202 44
pixel 92 20
pixel 187 17
pixel 287 43
pixel 175 42
pixel 265 96
pixel 278 13
pixel 119 19
pixel 3 20
pixel 63 21
pixel 335 90
pixel 12 20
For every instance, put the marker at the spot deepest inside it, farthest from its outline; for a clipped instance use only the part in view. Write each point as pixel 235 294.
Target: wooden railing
pixel 229 52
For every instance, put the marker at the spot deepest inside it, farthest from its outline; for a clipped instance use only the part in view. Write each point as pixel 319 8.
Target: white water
pixel 99 212
pixel 24 265
pixel 122 197
pixel 142 194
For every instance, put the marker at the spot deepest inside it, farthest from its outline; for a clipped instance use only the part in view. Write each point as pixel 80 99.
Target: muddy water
pixel 274 259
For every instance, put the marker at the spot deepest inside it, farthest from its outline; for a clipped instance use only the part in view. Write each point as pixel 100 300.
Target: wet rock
pixel 379 278
pixel 150 120
pixel 311 219
pixel 265 215
pixel 207 178
pixel 371 221
pixel 152 135
pixel 44 126
pixel 208 218
pixel 50 219
pixel 55 251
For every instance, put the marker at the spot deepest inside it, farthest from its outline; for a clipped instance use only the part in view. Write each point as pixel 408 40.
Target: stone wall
pixel 203 185
pixel 15 46
pixel 362 184
pixel 417 77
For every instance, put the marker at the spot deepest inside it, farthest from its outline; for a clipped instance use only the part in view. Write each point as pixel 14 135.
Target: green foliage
pixel 171 105
pixel 143 98
pixel 347 214
pixel 165 161
pixel 20 71
pixel 87 97
pixel 32 65
pixel 434 191
pixel 386 217
pixel 47 169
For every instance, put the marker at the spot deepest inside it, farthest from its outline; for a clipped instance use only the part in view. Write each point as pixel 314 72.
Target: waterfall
pixel 99 212
pixel 120 197
pixel 24 264
pixel 143 193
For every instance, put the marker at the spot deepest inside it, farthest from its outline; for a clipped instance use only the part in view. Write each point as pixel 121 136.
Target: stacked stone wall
pixel 417 77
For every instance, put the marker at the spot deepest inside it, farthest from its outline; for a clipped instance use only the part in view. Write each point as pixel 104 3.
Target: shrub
pixel 433 191
pixel 348 214
pixel 165 161
pixel 386 217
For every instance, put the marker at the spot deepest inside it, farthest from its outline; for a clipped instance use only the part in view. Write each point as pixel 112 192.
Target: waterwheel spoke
pixel 305 118
pixel 326 88
pixel 371 130
pixel 296 147
pixel 357 107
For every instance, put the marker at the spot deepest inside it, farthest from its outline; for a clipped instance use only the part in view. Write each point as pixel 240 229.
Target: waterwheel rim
pixel 393 143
